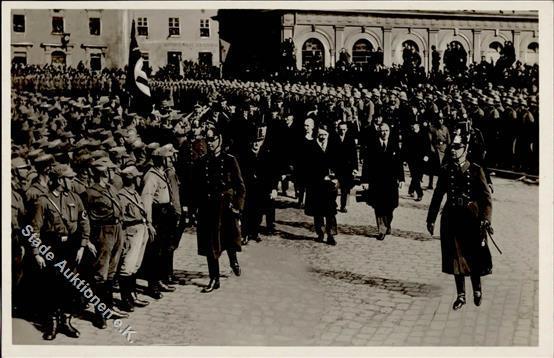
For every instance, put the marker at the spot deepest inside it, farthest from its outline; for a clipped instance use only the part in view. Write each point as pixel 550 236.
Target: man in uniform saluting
pixel 156 195
pixel 59 220
pixel 106 233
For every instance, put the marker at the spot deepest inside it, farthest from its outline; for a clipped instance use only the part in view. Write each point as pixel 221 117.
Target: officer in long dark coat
pixel 321 187
pixel 346 163
pixel 466 214
pixel 260 175
pixel 383 171
pixel 219 196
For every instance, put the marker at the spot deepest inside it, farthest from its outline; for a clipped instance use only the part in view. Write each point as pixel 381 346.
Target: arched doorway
pixel 313 54
pixel 532 53
pixel 410 54
pixel 58 58
pixel 361 51
pixel 493 51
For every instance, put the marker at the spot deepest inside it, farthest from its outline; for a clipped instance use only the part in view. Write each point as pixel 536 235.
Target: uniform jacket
pixel 219 188
pixel 468 202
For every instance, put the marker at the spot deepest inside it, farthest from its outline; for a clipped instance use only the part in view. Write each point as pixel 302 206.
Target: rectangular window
pixel 20 57
pixel 174 29
pixel 205 28
pixel 19 23
pixel 145 61
pixel 57 25
pixel 142 26
pixel 205 58
pixel 94 26
pixel 95 62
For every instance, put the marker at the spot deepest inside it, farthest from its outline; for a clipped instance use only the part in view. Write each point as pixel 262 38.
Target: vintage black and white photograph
pixel 274 177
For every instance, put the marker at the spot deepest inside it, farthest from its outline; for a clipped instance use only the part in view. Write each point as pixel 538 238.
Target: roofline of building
pixel 528 16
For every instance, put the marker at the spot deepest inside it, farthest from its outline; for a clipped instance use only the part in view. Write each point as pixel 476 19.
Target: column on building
pixel 387 46
pixel 477 45
pixel 433 35
pixel 517 45
pixel 339 44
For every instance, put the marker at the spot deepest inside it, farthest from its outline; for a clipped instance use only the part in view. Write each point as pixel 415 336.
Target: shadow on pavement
pixel 359 230
pixel 412 289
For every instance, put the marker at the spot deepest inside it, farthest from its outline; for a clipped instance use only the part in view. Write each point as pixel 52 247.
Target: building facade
pixel 100 38
pixel 479 33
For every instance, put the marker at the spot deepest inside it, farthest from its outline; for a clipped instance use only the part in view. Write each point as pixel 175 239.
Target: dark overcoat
pixel 346 160
pixel 468 202
pixel 382 170
pixel 321 192
pixel 218 189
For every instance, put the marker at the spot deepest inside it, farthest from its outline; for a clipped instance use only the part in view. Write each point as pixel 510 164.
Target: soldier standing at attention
pixel 219 194
pixel 59 220
pixel 137 231
pixel 466 214
pixel 156 195
pixel 106 234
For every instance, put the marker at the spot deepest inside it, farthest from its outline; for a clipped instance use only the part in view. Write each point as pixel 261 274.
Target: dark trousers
pixel 416 172
pixel 325 224
pixel 384 221
pixel 158 256
pixel 213 264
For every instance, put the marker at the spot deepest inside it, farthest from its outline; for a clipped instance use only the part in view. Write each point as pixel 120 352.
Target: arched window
pixel 313 53
pixel 493 51
pixel 58 58
pixel 410 54
pixel 361 51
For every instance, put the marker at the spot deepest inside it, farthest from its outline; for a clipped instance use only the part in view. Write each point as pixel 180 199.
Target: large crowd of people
pixel 110 191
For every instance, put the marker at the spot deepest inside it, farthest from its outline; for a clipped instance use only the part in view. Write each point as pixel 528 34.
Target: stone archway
pixel 353 39
pixel 313 53
pixel 300 39
pixel 397 47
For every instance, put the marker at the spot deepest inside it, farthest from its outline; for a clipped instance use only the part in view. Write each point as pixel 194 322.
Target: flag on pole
pixel 137 80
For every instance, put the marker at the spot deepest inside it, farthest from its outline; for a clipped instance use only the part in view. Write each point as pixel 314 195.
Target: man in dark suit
pixel 321 190
pixel 346 162
pixel 384 172
pixel 260 176
pixel 416 152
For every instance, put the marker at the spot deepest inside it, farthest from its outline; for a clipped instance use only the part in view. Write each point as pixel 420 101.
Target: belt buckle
pixel 63 238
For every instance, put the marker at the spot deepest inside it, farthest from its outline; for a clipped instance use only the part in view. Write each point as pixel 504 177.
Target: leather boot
pixel 66 327
pixel 99 320
pixel 165 288
pixel 133 288
pixel 154 290
pixel 213 285
pixel 127 304
pixel 116 313
pixel 51 327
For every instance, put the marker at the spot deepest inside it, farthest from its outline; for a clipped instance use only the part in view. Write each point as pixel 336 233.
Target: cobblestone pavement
pixel 362 292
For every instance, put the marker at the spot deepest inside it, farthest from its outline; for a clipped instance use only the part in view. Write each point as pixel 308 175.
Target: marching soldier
pixel 466 214
pixel 137 230
pixel 219 195
pixel 60 221
pixel 104 209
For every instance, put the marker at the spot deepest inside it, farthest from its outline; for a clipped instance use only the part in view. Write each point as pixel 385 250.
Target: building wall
pixel 158 42
pixel 38 42
pixel 475 31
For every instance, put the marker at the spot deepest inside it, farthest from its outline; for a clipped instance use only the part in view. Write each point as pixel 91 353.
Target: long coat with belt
pixel 219 191
pixel 468 202
pixel 321 193
pixel 382 170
